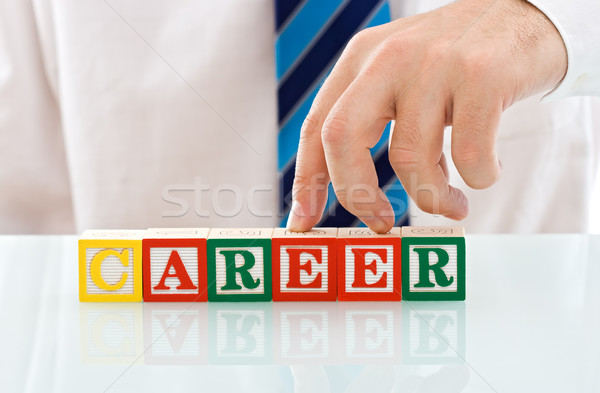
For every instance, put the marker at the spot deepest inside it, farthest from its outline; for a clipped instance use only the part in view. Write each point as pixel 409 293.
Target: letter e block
pixel 433 263
pixel 174 265
pixel 369 264
pixel 239 264
pixel 110 266
pixel 304 265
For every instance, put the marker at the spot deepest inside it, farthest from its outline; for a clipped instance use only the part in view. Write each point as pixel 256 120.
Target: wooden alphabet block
pixel 369 264
pixel 110 266
pixel 174 265
pixel 433 263
pixel 239 264
pixel 304 265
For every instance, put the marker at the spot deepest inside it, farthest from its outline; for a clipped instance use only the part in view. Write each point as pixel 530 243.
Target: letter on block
pixel 304 265
pixel 239 264
pixel 433 263
pixel 369 264
pixel 110 266
pixel 174 265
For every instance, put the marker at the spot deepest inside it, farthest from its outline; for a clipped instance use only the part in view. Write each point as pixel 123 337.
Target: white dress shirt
pixel 145 114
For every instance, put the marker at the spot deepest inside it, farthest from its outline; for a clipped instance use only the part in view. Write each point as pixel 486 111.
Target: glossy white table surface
pixel 531 323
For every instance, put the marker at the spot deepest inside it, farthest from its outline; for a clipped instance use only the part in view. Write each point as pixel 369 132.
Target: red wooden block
pixel 369 265
pixel 174 265
pixel 304 265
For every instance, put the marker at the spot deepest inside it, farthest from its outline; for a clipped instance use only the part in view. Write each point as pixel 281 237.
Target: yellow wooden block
pixel 110 266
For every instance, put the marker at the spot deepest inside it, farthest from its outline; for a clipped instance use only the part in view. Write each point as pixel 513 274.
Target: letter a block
pixel 174 265
pixel 369 264
pixel 239 264
pixel 433 263
pixel 110 266
pixel 304 265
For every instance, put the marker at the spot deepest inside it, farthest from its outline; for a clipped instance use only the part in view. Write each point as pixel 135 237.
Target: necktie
pixel 311 35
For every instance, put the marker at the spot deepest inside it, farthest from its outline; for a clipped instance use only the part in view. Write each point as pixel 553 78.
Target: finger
pixel 474 128
pixel 353 126
pixel 311 177
pixel 416 155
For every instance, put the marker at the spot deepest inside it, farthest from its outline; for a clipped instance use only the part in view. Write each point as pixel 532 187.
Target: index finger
pixel 311 180
pixel 353 126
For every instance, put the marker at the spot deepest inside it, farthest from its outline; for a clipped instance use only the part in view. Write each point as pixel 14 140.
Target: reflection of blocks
pixel 304 333
pixel 110 266
pixel 111 333
pixel 433 263
pixel 369 264
pixel 174 265
pixel 371 332
pixel 434 333
pixel 240 333
pixel 175 333
pixel 304 265
pixel 239 264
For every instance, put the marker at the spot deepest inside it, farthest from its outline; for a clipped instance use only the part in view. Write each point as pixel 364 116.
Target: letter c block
pixel 110 266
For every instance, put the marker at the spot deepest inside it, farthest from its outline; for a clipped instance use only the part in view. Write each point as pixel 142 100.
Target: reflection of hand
pixel 460 65
pixel 310 379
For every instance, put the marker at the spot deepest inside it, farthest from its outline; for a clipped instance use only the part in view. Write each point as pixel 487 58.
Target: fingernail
pixel 294 218
pixel 376 224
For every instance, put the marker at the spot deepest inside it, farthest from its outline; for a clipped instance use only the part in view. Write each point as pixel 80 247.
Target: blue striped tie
pixel 311 35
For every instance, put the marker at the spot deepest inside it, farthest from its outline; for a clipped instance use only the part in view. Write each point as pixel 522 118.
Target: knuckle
pixel 477 64
pixel 359 39
pixel 310 126
pixel 404 159
pixel 396 44
pixel 435 51
pixel 335 131
pixel 468 155
pixel 300 181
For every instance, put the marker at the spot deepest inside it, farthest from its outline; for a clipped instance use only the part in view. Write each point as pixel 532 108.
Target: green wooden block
pixel 239 264
pixel 433 263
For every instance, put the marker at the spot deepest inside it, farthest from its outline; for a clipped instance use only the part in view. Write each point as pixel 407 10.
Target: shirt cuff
pixel 577 21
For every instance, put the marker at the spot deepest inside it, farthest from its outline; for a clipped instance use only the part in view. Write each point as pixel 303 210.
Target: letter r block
pixel 110 266
pixel 304 265
pixel 433 263
pixel 369 265
pixel 174 265
pixel 239 264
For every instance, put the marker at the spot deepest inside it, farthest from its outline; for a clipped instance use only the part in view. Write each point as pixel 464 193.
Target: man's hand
pixel 461 65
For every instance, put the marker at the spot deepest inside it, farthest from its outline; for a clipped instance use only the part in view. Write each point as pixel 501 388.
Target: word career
pixel 264 264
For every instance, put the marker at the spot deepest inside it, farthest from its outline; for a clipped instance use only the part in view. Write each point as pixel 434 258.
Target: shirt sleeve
pixel 577 21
